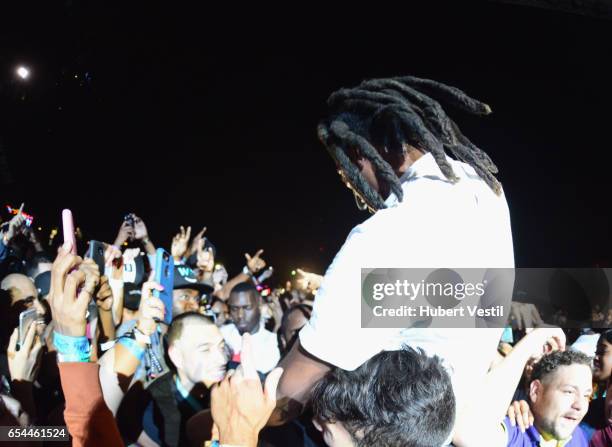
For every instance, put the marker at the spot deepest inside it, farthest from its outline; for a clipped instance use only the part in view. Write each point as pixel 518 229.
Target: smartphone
pixel 68 227
pixel 164 275
pixel 96 252
pixel 26 318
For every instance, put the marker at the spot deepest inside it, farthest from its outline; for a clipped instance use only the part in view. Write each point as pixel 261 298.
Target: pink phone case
pixel 68 226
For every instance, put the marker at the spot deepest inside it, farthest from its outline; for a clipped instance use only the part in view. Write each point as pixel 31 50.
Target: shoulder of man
pixel 517 438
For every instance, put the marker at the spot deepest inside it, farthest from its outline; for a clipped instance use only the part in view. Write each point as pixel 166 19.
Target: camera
pixel 129 218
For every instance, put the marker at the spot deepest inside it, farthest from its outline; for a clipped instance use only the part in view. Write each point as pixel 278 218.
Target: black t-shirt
pixel 160 411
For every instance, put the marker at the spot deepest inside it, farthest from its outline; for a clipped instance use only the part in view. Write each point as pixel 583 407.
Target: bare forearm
pixel 482 418
pixel 301 372
pixel 108 326
pixel 148 246
pixel 227 288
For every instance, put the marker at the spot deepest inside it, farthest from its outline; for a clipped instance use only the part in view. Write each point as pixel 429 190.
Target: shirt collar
pixel 192 401
pixel 425 166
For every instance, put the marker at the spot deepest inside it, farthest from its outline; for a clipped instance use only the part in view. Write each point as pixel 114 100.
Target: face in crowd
pixel 560 399
pixel 185 300
pixel 197 349
pixel 602 364
pixel 244 310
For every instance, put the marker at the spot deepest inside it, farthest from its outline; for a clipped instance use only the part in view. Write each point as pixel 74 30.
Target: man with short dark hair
pixel 244 308
pixel 196 350
pixel 559 392
pixel 396 398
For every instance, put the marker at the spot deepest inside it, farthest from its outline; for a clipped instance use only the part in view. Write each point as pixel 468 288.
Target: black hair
pixel 246 286
pixel 388 113
pixel 549 363
pixel 396 398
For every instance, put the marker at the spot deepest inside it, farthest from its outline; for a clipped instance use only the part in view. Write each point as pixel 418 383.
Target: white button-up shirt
pixel 437 225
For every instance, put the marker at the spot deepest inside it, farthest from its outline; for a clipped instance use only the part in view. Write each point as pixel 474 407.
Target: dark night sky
pixel 208 118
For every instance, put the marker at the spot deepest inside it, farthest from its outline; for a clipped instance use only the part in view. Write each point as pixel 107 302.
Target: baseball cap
pixel 132 293
pixel 185 278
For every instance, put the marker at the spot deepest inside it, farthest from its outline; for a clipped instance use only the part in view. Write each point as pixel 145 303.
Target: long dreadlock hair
pixel 391 112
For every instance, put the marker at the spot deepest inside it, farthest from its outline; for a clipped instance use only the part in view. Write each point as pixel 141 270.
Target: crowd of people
pixel 87 341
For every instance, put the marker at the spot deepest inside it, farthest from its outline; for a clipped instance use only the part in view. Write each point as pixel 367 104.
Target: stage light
pixel 23 72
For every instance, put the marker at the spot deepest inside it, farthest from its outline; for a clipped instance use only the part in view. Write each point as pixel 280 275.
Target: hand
pixel 524 316
pixel 309 281
pixel 15 226
pixel 206 260
pixel 126 232
pixel 111 253
pixel 255 263
pixel 520 414
pixel 140 229
pixel 179 243
pixel 150 309
pixel 546 340
pixel 104 295
pixel 24 364
pixel 240 406
pixel 220 276
pixel 195 243
pixel 68 304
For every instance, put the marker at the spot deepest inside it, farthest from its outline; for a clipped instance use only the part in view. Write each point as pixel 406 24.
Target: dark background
pixel 205 117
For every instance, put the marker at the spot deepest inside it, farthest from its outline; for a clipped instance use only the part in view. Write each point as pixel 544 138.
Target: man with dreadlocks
pixel 389 139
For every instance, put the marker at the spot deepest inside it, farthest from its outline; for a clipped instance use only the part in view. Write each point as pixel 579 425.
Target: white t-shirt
pixel 263 342
pixel 438 225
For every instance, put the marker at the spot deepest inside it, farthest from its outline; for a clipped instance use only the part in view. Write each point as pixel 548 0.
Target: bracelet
pixel 131 345
pixel 71 349
pixel 246 271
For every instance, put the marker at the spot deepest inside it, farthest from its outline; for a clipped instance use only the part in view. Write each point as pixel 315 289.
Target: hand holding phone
pixel 96 253
pixel 164 275
pixel 26 318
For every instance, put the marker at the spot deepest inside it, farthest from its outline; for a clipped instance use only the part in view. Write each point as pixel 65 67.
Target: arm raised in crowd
pixel 253 264
pixel 120 363
pixel 142 234
pixel 23 367
pixel 88 419
pixel 480 424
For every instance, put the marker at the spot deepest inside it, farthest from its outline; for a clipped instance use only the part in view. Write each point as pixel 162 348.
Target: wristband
pixel 141 336
pixel 132 345
pixel 71 349
pixel 246 271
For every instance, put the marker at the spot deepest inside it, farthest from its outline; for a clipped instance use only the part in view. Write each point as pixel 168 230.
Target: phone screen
pixel 26 318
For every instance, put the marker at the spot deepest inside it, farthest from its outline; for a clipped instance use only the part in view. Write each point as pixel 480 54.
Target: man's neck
pixel 252 332
pixel 549 438
pixel 411 156
pixel 185 382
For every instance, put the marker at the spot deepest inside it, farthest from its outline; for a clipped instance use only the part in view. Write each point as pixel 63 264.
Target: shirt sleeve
pixel 334 333
pixel 514 435
pixel 89 420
